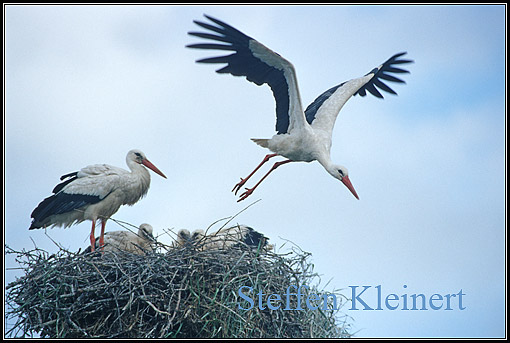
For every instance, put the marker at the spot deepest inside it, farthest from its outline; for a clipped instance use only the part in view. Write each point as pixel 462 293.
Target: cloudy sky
pixel 85 84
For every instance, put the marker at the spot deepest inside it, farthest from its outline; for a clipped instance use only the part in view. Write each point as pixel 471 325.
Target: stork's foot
pixel 239 185
pixel 246 194
pixel 100 246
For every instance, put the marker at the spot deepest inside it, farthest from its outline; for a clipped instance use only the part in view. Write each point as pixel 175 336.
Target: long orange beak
pixel 152 167
pixel 348 184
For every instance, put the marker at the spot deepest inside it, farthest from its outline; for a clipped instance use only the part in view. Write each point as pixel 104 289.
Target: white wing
pixel 260 65
pixel 322 113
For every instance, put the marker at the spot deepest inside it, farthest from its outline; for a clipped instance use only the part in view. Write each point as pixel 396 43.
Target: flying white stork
pixel 301 135
pixel 95 193
pixel 136 243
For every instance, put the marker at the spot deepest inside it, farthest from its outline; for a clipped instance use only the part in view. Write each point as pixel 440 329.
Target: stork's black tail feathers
pixel 384 73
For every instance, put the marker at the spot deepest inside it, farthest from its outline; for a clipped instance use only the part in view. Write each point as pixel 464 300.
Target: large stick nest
pixel 171 293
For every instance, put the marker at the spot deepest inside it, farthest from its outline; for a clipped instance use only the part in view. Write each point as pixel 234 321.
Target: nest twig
pixel 176 293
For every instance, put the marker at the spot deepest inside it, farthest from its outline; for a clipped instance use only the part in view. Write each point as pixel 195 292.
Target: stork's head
pixel 197 235
pixel 145 231
pixel 137 156
pixel 183 236
pixel 341 173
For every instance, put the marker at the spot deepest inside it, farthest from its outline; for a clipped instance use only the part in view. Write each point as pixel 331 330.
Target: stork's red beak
pixel 348 184
pixel 152 167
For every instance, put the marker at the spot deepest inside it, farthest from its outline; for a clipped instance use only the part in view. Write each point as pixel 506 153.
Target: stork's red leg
pixel 92 238
pixel 101 237
pixel 243 181
pixel 248 191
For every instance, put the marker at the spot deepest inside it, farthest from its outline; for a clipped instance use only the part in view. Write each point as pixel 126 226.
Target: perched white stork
pixel 95 193
pixel 301 135
pixel 127 241
pixel 223 238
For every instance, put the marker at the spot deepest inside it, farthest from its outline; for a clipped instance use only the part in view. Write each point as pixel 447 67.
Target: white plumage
pixel 95 193
pixel 139 244
pixel 302 135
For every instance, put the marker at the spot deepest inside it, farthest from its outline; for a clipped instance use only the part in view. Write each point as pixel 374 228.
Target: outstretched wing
pixel 258 64
pixel 383 72
pixel 322 112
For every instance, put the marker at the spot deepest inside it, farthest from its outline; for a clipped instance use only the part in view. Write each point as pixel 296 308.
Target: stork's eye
pixel 138 157
pixel 341 172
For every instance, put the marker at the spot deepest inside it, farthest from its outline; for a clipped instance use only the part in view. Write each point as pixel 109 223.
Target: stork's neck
pixel 141 172
pixel 327 163
pixel 325 160
pixel 140 181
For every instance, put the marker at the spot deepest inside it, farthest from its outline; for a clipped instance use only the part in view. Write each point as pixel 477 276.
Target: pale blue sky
pixel 85 84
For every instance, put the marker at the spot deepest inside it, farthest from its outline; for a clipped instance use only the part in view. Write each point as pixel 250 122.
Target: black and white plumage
pixel 302 135
pixel 95 193
pixel 223 238
pixel 139 243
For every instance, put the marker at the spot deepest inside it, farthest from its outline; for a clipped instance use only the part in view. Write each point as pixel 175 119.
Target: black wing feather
pixel 243 63
pixel 60 203
pixel 312 109
pixel 255 239
pixel 370 87
pixel 70 178
pixel 373 86
pixel 210 46
pixel 384 73
pixel 384 87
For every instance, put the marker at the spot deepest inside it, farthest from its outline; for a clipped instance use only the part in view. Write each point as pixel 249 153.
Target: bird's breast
pixel 134 187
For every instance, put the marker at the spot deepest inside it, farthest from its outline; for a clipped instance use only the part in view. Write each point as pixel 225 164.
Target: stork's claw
pixel 239 185
pixel 246 194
